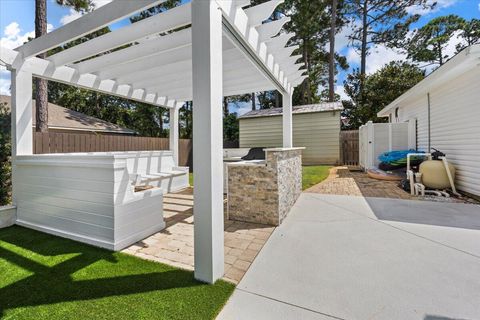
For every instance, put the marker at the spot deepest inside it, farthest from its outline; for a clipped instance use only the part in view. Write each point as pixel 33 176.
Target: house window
pixel 396 113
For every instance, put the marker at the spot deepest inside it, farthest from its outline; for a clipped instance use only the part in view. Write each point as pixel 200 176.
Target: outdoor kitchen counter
pixel 264 192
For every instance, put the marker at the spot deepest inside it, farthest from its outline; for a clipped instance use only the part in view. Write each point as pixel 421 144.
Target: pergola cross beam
pixel 91 22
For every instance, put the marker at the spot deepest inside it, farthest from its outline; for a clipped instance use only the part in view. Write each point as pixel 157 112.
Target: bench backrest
pixel 147 162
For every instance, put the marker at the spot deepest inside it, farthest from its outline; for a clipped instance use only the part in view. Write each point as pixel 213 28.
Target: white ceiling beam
pixel 242 3
pixel 267 30
pixel 153 48
pixel 145 63
pixel 292 68
pixel 279 42
pixel 298 81
pixel 161 59
pixel 231 69
pixel 284 53
pixel 259 13
pixel 163 70
pixel 45 69
pixel 162 22
pixel 88 23
pixel 166 86
pixel 293 60
pixel 175 40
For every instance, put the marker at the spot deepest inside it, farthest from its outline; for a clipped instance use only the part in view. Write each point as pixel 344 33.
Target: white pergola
pixel 198 51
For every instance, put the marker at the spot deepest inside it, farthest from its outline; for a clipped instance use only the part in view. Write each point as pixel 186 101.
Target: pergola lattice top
pixel 156 67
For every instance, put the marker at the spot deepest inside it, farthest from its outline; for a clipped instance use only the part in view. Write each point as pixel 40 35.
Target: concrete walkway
pixel 344 257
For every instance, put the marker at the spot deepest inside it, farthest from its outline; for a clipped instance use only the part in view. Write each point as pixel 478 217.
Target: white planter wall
pixel 85 197
pixel 7 216
pixel 377 138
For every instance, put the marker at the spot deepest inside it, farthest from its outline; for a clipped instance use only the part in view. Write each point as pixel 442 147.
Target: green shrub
pixel 5 153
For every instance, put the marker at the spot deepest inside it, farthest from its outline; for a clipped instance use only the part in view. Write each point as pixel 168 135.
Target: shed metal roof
pixel 308 108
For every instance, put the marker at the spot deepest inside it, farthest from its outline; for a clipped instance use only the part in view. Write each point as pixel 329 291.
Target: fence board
pixel 54 142
pixel 349 147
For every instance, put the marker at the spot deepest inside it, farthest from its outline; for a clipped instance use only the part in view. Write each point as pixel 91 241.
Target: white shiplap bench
pixel 86 197
pixel 158 169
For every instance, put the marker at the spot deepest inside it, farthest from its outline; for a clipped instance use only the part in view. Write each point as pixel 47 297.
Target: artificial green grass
pixel 311 175
pixel 47 277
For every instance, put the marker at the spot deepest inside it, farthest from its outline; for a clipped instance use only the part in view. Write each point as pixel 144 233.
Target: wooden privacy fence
pixel 349 147
pixel 59 142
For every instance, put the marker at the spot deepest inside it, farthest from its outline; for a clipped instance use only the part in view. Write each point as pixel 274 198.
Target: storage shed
pixel 315 126
pixel 443 112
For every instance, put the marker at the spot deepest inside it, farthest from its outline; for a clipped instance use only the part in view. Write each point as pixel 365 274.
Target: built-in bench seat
pixel 157 169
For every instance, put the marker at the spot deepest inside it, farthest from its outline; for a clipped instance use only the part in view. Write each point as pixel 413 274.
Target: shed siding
pixel 318 132
pixel 455 127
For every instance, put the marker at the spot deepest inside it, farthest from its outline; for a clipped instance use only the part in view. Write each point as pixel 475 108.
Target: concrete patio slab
pixel 335 255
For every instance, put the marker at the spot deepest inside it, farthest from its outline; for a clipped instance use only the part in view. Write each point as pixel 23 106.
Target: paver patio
pixel 343 181
pixel 174 244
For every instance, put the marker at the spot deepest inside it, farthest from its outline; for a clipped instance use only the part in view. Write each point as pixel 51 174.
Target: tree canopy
pixel 428 43
pixel 380 89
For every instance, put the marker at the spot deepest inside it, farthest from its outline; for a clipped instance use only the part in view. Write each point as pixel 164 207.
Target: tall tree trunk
pixel 253 101
pixel 41 85
pixel 331 62
pixel 160 122
pixel 363 51
pixel 363 62
pixel 440 54
pixel 225 107
pixel 277 99
pixel 307 94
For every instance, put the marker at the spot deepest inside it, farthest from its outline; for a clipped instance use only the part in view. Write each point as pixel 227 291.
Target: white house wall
pixel 318 132
pixel 455 125
pixel 417 109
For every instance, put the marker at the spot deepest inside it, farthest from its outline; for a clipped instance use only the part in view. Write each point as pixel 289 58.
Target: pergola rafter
pixel 198 51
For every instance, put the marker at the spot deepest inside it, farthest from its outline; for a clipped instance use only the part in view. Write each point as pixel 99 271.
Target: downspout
pixel 428 119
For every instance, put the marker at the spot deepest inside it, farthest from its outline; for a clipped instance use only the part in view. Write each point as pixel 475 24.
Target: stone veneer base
pixel 265 193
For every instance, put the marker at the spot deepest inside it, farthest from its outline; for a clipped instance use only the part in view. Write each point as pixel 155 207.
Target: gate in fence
pixel 349 144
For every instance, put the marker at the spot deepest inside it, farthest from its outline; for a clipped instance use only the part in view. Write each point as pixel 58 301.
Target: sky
pixel 17 24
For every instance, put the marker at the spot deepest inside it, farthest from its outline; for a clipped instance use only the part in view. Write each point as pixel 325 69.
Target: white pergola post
pixel 22 135
pixel 21 113
pixel 208 139
pixel 287 120
pixel 174 134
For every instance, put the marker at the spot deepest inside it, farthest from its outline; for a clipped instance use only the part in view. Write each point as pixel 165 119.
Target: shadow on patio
pixel 454 215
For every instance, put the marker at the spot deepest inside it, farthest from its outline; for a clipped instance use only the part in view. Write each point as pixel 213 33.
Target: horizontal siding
pixel 60 197
pixel 317 132
pixel 455 125
pixel 89 198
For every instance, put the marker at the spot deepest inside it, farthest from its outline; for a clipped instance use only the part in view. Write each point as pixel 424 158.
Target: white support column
pixel 207 139
pixel 22 134
pixel 173 135
pixel 287 120
pixel 21 113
